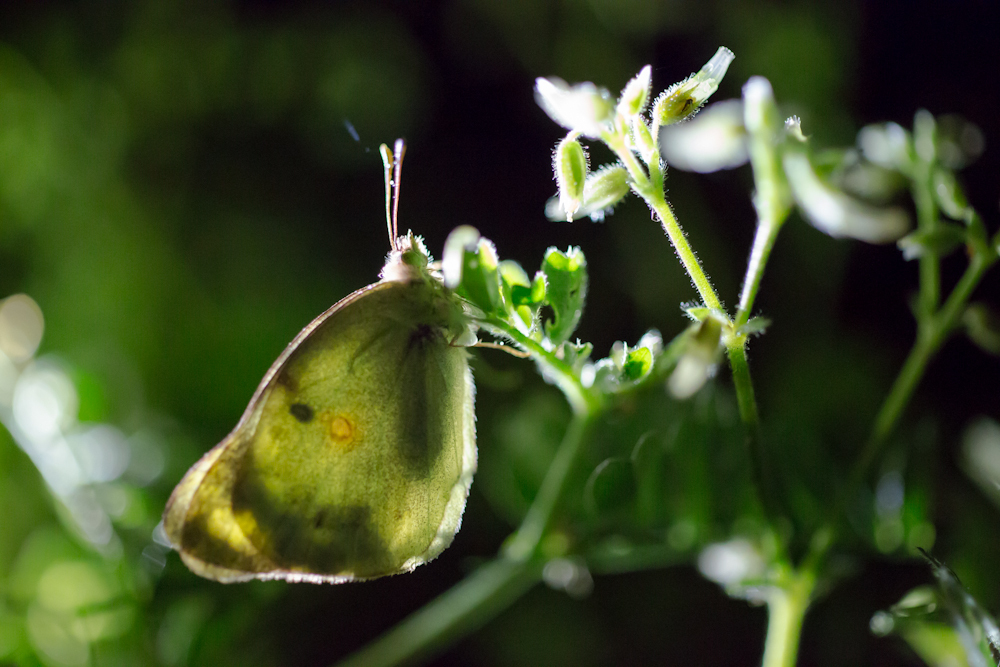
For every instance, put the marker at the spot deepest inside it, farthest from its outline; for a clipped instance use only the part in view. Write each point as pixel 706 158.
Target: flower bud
pixel 697 363
pixel 569 162
pixel 887 145
pixel 582 108
pixel 635 94
pixel 604 188
pixel 683 99
pixel 642 139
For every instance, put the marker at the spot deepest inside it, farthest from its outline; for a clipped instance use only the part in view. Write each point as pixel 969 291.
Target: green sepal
pixel 698 313
pixel 940 241
pixel 684 98
pixel 566 289
pixel 576 354
pixel 571 166
pixel 755 325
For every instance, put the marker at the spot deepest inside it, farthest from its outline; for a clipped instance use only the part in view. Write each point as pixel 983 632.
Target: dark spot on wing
pixel 301 411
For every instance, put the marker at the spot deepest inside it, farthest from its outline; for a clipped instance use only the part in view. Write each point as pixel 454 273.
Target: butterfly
pixel 355 456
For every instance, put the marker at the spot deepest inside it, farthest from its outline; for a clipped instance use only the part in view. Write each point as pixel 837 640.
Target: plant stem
pixel 932 330
pixel 462 609
pixel 745 397
pixel 655 200
pixel 526 542
pixel 763 243
pixel 558 371
pixel 787 606
pixel 927 220
pixel 690 261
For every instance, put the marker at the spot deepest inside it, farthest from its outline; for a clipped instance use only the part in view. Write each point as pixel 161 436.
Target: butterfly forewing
pixel 354 458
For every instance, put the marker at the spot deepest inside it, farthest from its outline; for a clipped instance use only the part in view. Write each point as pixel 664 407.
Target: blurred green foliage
pixel 183 185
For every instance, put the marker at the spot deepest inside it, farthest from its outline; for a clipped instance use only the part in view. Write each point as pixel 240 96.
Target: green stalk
pixel 464 608
pixel 655 200
pixel 690 261
pixel 745 397
pixel 763 243
pixel 786 607
pixel 526 542
pixel 580 399
pixel 932 331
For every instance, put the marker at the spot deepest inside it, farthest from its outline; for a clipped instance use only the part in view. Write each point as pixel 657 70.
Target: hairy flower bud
pixel 569 162
pixel 635 94
pixel 683 99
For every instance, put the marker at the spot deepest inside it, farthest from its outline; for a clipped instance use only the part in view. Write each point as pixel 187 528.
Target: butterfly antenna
pixel 388 161
pixel 397 183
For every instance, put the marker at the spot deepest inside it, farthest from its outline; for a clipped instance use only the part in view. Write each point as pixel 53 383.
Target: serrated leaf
pixel 566 290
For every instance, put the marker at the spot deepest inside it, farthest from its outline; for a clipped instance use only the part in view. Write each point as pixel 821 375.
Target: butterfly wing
pixel 353 459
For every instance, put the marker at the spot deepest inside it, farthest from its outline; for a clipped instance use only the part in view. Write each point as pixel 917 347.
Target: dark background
pixel 181 194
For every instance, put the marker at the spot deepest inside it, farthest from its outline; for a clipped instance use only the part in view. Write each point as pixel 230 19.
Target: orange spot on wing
pixel 341 431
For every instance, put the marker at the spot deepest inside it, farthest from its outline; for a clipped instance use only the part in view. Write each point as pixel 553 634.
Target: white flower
pixel 583 108
pixel 712 140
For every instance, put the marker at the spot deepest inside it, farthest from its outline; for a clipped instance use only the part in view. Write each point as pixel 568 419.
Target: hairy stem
pixel 657 202
pixel 763 243
pixel 690 261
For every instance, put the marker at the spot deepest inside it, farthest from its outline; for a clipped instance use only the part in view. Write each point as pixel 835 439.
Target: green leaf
pixel 566 290
pixel 521 295
pixel 638 363
pixel 480 277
